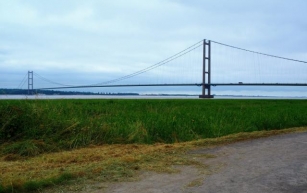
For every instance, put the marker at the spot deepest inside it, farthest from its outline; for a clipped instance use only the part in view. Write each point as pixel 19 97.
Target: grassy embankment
pixel 35 128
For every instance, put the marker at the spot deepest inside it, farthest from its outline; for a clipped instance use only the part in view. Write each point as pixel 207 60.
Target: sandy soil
pixel 273 164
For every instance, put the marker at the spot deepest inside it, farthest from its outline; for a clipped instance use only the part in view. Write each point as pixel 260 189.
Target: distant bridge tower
pixel 206 87
pixel 30 82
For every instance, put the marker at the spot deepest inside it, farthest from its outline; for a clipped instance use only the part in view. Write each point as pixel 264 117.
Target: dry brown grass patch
pixel 112 162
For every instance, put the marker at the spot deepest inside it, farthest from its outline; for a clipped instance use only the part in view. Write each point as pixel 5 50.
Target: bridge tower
pixel 30 82
pixel 206 87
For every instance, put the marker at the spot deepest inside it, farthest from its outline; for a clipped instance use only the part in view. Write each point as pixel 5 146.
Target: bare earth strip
pixel 273 164
pixel 265 161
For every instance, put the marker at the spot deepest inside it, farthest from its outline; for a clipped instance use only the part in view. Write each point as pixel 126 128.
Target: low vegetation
pixel 121 136
pixel 30 127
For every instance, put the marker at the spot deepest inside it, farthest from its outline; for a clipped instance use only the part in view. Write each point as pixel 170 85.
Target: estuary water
pixel 51 97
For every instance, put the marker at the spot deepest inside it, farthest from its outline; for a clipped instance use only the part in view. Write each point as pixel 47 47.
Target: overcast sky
pixel 92 41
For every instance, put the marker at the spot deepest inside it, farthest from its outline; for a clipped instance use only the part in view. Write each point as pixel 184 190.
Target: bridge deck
pixel 190 84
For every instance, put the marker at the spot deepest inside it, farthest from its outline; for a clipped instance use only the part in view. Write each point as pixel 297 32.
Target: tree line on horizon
pixel 55 92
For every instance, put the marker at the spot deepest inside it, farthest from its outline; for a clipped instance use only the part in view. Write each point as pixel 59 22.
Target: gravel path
pixel 273 164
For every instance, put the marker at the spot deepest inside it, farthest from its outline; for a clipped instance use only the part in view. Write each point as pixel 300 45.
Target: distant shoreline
pixel 140 96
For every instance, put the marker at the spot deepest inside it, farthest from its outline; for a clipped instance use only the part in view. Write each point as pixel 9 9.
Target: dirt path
pixel 273 164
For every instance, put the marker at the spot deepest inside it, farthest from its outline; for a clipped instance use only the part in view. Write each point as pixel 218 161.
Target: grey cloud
pixel 114 38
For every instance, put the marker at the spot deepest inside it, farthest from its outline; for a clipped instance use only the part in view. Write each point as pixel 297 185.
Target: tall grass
pixel 30 127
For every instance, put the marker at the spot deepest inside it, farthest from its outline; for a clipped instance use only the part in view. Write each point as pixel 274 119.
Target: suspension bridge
pixel 205 64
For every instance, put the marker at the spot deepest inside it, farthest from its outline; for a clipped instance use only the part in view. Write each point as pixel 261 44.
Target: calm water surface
pixel 131 97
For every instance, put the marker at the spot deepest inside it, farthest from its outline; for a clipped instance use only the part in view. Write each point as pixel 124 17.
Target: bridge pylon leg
pixel 206 82
pixel 30 82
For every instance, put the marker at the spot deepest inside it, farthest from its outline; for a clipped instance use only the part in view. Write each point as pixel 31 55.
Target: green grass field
pixel 32 127
pixel 34 135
